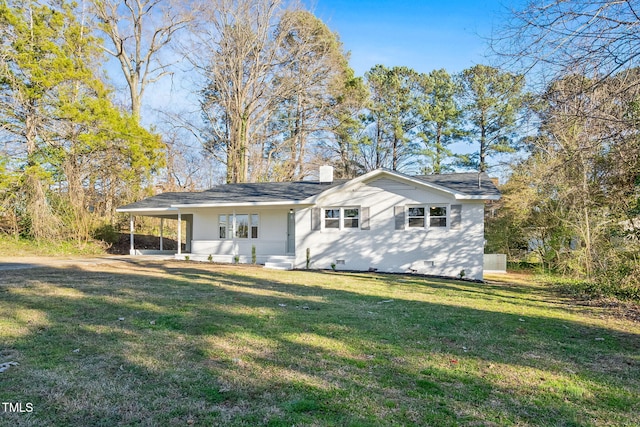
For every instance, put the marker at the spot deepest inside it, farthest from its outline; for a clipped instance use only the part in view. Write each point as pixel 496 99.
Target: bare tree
pixel 585 55
pixel 138 32
pixel 237 51
pixel 574 195
pixel 314 71
pixel 559 37
pixel 268 66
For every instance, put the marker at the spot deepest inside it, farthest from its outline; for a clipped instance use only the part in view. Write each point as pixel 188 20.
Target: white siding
pixel 438 251
pixel 272 234
pixel 433 251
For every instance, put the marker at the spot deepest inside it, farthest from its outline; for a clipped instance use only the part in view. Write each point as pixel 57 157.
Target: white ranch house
pixel 381 221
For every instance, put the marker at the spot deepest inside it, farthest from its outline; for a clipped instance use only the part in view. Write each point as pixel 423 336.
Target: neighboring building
pixel 383 220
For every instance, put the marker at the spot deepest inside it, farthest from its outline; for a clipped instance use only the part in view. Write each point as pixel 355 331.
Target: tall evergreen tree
pixel 350 97
pixel 440 118
pixel 53 104
pixel 492 101
pixel 392 115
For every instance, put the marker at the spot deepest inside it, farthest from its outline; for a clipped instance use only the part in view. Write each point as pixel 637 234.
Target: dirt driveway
pixel 20 263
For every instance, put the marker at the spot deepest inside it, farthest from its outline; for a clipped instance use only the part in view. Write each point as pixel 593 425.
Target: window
pixel 437 216
pixel 254 226
pixel 332 218
pixel 416 217
pixel 222 219
pixel 242 226
pixel 342 218
pixel 427 216
pixel 351 217
pixel 239 226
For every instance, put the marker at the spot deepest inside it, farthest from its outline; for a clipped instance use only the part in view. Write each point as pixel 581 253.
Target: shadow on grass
pixel 173 344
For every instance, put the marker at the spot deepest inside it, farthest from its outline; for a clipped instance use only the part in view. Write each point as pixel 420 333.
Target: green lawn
pixel 155 344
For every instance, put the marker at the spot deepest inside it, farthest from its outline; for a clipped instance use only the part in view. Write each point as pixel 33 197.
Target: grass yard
pixel 169 343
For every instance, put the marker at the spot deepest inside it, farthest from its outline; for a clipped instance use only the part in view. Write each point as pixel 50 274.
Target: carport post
pixel 161 232
pixel 179 233
pixel 131 250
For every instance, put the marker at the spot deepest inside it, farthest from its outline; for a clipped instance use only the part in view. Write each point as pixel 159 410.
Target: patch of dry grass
pixel 175 343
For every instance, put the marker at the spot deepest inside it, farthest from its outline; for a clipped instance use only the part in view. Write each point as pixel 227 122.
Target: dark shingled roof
pixel 268 191
pixel 464 183
pixel 239 193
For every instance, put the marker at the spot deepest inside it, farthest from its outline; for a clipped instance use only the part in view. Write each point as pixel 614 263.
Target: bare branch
pixel 150 26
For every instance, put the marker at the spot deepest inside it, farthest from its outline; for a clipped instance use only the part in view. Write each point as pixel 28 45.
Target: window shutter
pixel 315 218
pixel 398 212
pixel 456 217
pixel 364 218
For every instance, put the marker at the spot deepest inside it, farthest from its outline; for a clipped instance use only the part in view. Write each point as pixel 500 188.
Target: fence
pixel 496 263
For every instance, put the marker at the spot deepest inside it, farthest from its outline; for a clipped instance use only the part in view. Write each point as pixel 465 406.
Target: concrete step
pixel 280 262
pixel 278 265
pixel 281 258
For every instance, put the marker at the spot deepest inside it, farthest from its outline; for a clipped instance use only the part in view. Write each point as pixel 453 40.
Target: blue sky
pixel 420 34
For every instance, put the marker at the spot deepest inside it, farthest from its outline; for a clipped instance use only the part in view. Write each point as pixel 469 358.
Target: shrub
pixel 610 284
pixel 621 279
pixel 107 233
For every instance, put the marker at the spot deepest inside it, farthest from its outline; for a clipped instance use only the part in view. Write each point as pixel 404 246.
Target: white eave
pixel 476 197
pixel 169 210
pixel 281 203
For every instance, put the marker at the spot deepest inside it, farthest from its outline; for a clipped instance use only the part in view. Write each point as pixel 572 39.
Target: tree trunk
pixel 43 223
pixel 394 159
pixel 482 167
pixel 437 167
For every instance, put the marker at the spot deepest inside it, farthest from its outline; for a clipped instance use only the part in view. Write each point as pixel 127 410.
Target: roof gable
pixel 463 186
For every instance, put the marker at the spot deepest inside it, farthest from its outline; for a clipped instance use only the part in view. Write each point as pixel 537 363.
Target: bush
pixel 621 279
pixel 107 233
pixel 12 246
pixel 622 283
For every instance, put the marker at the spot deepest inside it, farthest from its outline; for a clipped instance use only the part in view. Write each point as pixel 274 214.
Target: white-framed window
pixel 255 219
pixel 242 226
pixel 332 218
pixel 238 226
pixel 351 218
pixel 223 226
pixel 416 215
pixel 438 216
pixel 343 218
pixel 428 216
